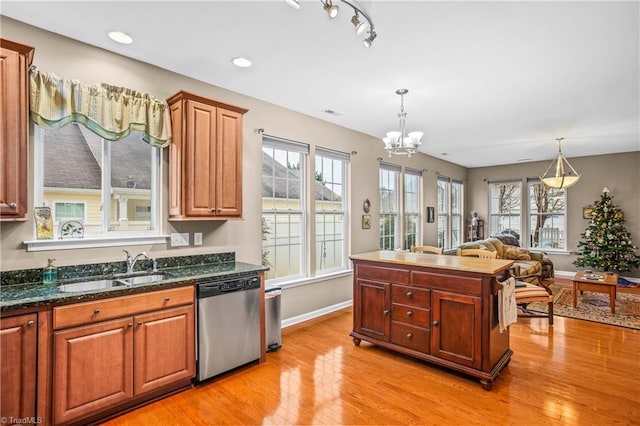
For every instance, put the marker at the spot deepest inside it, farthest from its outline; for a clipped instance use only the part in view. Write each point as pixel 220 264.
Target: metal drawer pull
pixel 436 323
pixel 409 294
pixel 130 325
pixel 386 312
pixel 13 205
pixel 30 323
pixel 96 311
pixel 139 323
pixel 409 313
pixel 166 299
pixel 409 335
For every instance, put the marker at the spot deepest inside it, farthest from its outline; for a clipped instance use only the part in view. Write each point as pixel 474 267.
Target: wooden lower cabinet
pixel 92 368
pixel 107 364
pixel 447 317
pixel 164 350
pixel 18 351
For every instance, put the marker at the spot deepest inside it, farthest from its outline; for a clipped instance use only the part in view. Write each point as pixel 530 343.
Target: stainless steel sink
pixel 90 286
pixel 142 279
pixel 116 282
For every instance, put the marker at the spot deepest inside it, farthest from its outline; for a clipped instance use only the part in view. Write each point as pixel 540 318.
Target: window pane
pixel 505 207
pixel 282 212
pixel 330 214
pixel 129 166
pixel 388 208
pixel 547 226
pixel 130 183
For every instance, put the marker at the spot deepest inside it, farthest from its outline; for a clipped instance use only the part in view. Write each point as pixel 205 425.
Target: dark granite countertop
pixel 19 296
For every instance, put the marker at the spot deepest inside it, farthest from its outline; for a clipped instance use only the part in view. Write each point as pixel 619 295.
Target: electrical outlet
pixel 179 239
pixel 197 238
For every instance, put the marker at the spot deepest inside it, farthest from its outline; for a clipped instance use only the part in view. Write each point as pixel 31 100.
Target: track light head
pixel 331 9
pixel 367 42
pixel 293 3
pixel 361 26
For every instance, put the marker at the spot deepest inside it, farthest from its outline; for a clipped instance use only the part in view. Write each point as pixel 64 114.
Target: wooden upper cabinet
pixel 205 159
pixel 15 60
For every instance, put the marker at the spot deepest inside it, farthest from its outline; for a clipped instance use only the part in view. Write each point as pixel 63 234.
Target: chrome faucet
pixel 131 261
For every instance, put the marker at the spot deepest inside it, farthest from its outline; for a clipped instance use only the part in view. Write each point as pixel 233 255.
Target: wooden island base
pixel 440 309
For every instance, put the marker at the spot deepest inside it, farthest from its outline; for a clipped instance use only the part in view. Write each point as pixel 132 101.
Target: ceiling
pixel 489 83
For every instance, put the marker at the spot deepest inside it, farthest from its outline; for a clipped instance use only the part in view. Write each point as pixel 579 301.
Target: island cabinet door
pixel 456 328
pixel 372 309
pixel 164 348
pixel 92 368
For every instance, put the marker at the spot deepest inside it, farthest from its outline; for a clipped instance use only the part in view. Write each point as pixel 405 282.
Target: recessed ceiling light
pixel 120 37
pixel 444 153
pixel 332 112
pixel 241 62
pixel 524 159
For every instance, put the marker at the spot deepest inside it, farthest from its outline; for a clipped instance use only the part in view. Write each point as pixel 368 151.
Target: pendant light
pixel 564 177
pixel 397 142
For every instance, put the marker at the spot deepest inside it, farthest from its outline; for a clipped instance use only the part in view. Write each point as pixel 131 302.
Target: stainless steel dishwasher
pixel 228 324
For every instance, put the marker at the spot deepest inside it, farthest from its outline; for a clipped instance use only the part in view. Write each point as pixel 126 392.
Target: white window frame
pixel 106 238
pixel 444 188
pixel 417 214
pixel 302 149
pixel 344 159
pixel 562 245
pixel 394 172
pixel 514 219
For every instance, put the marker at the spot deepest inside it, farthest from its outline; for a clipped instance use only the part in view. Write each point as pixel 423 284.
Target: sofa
pixel 527 262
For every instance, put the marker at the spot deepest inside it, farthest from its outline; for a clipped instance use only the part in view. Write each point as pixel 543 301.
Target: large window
pixel 411 208
pixel 330 210
pixel 547 227
pixel 505 207
pixel 544 207
pixel 389 206
pixel 102 183
pixel 450 205
pixel 400 207
pixel 283 208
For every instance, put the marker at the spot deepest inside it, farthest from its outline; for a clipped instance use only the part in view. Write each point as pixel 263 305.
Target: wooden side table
pixel 606 283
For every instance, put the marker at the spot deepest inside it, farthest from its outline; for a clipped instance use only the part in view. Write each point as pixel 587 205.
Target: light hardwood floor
pixel 574 373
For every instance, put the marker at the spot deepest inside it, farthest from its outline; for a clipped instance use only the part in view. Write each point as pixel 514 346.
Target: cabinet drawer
pixel 416 338
pixel 448 282
pixel 410 315
pixel 382 274
pixel 100 310
pixel 411 296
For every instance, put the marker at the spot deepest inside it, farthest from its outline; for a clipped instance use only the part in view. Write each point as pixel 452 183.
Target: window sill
pixel 93 242
pixel 310 280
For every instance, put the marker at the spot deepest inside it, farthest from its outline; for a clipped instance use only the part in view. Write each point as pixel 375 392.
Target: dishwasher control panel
pixel 216 287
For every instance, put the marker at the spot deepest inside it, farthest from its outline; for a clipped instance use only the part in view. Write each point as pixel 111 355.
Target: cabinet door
pixel 92 368
pixel 456 328
pixel 164 349
pixel 18 340
pixel 372 309
pixel 229 164
pixel 14 131
pixel 200 160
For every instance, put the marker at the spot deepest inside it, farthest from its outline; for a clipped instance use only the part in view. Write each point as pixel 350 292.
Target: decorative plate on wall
pixel 72 228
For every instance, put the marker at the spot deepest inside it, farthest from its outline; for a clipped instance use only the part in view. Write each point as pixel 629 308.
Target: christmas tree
pixel 606 243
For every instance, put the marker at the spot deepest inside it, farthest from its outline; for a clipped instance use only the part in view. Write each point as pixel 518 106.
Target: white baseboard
pixel 315 314
pixel 570 274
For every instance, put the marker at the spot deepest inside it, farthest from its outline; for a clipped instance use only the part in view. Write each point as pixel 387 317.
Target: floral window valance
pixel 109 111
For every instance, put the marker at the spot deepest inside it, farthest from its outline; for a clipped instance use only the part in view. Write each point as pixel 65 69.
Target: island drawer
pixel 460 284
pixel 410 315
pixel 412 296
pixel 409 336
pixel 385 274
pixel 104 309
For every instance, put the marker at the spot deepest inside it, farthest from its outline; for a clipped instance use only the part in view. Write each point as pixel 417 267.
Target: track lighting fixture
pixel 361 26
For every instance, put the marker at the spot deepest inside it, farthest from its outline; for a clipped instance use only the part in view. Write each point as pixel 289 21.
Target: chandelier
pixel 397 142
pixel 564 177
pixel 358 11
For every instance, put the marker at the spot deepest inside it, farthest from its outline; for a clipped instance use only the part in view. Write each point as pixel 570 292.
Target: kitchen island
pixel 437 308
